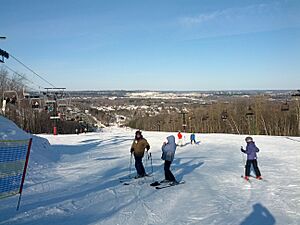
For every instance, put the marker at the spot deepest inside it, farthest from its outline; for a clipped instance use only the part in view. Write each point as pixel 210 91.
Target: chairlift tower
pixel 296 96
pixel 54 93
pixel 250 115
pixel 192 121
pixel 183 113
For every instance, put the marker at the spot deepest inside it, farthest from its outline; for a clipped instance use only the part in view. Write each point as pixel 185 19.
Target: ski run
pixel 75 180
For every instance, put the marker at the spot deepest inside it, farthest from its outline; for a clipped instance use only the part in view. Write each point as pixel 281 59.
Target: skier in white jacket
pixel 168 152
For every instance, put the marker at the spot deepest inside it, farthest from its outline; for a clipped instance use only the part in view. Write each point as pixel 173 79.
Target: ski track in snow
pixel 80 184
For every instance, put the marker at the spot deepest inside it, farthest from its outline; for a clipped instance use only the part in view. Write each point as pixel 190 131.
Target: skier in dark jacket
pixel 251 150
pixel 168 152
pixel 138 149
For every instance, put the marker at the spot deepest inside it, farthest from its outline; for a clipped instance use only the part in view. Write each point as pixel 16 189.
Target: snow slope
pixel 79 183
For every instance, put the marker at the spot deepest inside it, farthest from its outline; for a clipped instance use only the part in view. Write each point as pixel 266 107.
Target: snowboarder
pixel 251 150
pixel 180 141
pixel 193 138
pixel 138 149
pixel 168 152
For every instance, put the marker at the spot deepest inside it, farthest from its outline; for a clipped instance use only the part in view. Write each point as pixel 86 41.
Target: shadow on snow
pixel 260 216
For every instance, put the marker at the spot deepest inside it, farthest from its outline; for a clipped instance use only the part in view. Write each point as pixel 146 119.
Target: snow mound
pixel 10 131
pixel 40 149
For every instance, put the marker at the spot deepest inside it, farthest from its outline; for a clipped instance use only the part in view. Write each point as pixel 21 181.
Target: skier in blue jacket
pixel 193 138
pixel 168 152
pixel 251 150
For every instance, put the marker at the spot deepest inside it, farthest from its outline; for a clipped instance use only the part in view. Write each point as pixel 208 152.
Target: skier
pixel 180 141
pixel 251 150
pixel 193 138
pixel 138 149
pixel 168 152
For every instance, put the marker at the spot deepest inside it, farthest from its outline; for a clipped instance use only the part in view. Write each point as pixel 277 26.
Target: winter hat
pixel 248 139
pixel 138 133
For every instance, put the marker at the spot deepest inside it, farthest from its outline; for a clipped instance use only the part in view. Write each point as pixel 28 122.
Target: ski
pixel 133 179
pixel 243 177
pixel 169 185
pixel 157 183
pixel 125 179
pixel 262 179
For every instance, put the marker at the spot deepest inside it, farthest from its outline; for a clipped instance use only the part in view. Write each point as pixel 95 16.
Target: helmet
pixel 248 139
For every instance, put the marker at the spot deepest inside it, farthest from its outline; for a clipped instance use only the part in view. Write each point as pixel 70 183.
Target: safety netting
pixel 14 155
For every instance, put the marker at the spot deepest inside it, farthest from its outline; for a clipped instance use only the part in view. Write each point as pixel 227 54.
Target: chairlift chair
pixel 249 112
pixel 11 97
pixel 285 107
pixel 35 103
pixel 296 94
pixel 62 103
pixel 224 115
pixel 25 94
pixel 205 117
pixel 49 105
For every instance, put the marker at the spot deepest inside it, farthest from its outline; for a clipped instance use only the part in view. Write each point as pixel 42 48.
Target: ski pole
pixel 243 159
pixel 130 165
pixel 146 160
pixel 151 163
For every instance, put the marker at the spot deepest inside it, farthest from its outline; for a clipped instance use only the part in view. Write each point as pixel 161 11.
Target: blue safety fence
pixel 14 155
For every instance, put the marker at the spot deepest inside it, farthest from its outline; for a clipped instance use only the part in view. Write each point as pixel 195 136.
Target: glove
pixel 131 150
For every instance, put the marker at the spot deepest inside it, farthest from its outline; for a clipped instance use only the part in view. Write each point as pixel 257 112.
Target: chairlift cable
pixel 31 70
pixel 11 80
pixel 22 76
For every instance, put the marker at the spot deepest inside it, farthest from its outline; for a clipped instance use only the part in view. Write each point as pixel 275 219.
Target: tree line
pixel 258 115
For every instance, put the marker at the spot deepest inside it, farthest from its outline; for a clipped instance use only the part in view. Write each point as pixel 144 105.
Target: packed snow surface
pixel 79 182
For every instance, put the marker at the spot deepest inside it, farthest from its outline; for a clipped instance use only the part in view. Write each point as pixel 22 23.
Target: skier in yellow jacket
pixel 138 149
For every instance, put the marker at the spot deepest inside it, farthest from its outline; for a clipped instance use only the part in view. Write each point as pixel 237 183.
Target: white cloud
pixel 228 14
pixel 199 19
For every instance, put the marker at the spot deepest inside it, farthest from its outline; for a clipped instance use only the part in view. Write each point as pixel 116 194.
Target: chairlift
pixel 62 103
pixel 205 117
pixel 249 111
pixel 35 103
pixel 49 105
pixel 296 94
pixel 285 107
pixel 25 94
pixel 224 115
pixel 10 97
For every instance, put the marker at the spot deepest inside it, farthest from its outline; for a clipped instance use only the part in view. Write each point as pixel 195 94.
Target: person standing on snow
pixel 168 152
pixel 138 149
pixel 180 141
pixel 251 150
pixel 193 138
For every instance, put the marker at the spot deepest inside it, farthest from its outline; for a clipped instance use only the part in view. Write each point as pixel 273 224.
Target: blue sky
pixel 155 44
